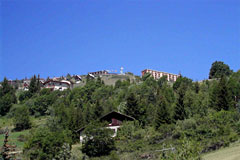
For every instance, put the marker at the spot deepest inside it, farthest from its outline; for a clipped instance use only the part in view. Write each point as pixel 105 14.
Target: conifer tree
pixel 179 110
pixel 162 115
pixel 38 83
pixel 132 106
pixel 33 87
pixel 98 110
pixel 6 88
pixel 220 96
pixel 7 97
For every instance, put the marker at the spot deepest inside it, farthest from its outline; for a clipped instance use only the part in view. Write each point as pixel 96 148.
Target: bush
pixel 21 119
pixel 98 141
pixel 127 130
pixel 45 144
pixel 24 96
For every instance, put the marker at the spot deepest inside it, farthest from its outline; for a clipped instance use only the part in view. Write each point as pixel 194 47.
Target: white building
pixel 158 74
pixel 57 85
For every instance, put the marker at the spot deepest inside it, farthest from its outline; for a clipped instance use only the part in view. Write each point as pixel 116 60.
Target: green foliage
pixel 127 130
pixel 179 110
pixel 183 82
pixel 25 95
pixel 234 87
pixel 7 97
pixel 6 102
pixel 133 108
pixel 219 69
pixel 146 76
pixel 33 85
pixel 162 115
pixel 162 81
pixel 21 119
pixel 45 144
pixel 39 105
pixel 98 141
pixel 64 117
pixel 189 149
pixel 220 96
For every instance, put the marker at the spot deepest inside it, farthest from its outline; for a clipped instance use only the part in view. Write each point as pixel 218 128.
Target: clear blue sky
pixel 56 37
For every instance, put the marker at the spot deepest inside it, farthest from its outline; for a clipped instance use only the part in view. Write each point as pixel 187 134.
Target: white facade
pixel 159 74
pixel 57 85
pixel 114 128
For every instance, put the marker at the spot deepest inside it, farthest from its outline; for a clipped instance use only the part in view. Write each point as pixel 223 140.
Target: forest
pixel 173 120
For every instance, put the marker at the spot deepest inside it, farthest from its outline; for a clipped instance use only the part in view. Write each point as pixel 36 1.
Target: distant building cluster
pixel 67 82
pixel 55 83
pixel 158 74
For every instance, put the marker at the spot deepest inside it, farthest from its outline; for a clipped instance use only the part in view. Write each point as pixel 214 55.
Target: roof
pixel 118 115
pixel 109 116
pixel 79 77
pixel 63 81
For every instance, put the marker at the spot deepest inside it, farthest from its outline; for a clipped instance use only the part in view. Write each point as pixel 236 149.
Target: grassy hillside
pixel 230 153
pixel 111 79
pixel 14 139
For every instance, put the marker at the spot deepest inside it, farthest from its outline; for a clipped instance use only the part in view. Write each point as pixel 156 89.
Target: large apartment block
pixel 159 74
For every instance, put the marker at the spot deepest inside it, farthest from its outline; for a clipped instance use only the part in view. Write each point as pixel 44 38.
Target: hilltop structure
pixel 158 74
pixel 104 72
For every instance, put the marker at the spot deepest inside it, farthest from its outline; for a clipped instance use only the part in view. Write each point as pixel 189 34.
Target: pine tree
pixel 6 88
pixel 98 110
pixel 179 110
pixel 7 97
pixel 221 98
pixel 162 115
pixel 38 83
pixel 88 113
pixel 33 87
pixel 132 106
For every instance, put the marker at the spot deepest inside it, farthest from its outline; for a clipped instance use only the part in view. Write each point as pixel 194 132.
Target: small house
pixel 115 120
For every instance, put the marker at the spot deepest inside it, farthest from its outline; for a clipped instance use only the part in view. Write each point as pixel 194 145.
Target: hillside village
pixel 72 81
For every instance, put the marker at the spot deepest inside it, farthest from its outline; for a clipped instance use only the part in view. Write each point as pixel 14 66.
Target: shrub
pixel 21 118
pixel 45 144
pixel 98 141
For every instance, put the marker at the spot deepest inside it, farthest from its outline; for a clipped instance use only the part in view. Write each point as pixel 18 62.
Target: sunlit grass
pixel 229 153
pixel 13 138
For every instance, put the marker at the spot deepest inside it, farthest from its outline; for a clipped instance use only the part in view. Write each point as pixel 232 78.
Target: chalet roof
pixel 117 115
pixel 78 76
pixel 63 81
pixel 109 116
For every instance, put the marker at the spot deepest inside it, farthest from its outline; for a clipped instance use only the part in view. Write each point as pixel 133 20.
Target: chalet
pixel 115 120
pixel 77 78
pixel 57 85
